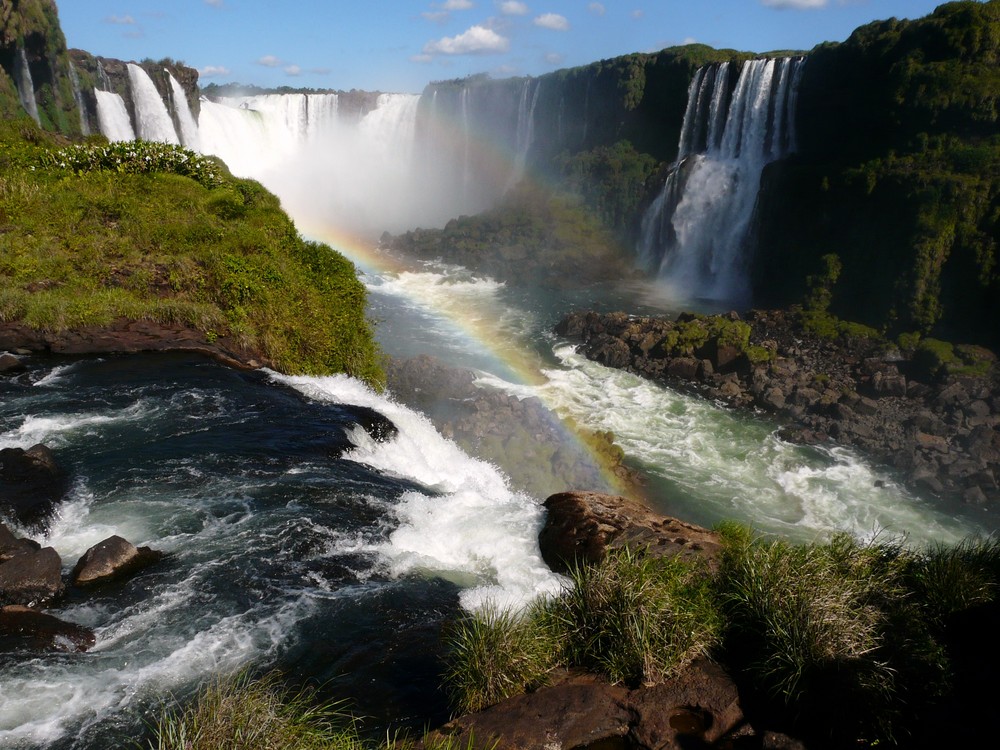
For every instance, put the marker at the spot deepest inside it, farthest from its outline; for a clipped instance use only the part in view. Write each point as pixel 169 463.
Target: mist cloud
pixel 552 21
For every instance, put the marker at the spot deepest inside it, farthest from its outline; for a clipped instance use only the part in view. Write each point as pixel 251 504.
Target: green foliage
pixel 830 632
pixel 495 654
pixel 612 180
pixel 139 157
pixel 93 234
pixel 636 618
pixel 820 285
pixel 244 713
pixel 951 579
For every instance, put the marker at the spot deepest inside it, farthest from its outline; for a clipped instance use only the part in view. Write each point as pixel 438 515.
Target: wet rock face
pixel 31 578
pixel 26 629
pixel 583 526
pixel 31 483
pixel 112 559
pixel 943 435
pixel 696 709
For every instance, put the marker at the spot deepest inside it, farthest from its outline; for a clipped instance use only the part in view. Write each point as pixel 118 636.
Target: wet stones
pixel 31 483
pixel 31 579
pixel 943 434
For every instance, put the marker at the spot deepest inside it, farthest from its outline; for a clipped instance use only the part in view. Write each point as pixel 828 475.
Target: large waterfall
pixel 695 232
pixel 152 120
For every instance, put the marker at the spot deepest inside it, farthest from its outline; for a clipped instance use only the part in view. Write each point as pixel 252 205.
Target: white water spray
pixel 189 128
pixel 152 120
pixel 696 230
pixel 112 117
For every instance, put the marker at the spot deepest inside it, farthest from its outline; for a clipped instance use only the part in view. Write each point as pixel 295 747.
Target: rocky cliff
pixel 897 175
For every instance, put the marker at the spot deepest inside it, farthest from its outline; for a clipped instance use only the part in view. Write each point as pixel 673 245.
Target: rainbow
pixel 513 363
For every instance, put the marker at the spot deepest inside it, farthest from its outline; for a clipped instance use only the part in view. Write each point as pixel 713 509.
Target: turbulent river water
pixel 301 538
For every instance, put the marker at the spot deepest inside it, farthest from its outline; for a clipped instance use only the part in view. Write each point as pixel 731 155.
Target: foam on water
pixel 721 464
pixel 55 430
pixel 469 526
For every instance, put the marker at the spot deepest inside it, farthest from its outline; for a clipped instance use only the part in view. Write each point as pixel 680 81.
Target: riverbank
pixel 928 410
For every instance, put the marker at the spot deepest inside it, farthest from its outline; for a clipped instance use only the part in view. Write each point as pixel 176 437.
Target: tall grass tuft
pixel 828 631
pixel 951 579
pixel 635 618
pixel 245 713
pixel 498 653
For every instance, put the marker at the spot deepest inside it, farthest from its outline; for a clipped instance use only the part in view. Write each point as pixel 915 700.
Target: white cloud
pixel 270 61
pixel 478 40
pixel 552 21
pixel 212 71
pixel 120 20
pixel 553 58
pixel 513 8
pixel 457 4
pixel 421 58
pixel 794 4
pixel 596 8
pixel 689 40
pixel 293 70
pixel 437 16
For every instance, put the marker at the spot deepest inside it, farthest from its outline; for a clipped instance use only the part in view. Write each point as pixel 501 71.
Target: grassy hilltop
pixel 95 235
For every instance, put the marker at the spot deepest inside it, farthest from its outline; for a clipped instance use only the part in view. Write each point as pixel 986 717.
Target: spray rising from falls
pixel 696 231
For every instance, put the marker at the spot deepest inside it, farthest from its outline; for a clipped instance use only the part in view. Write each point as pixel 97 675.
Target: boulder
pixel 32 578
pixel 11 545
pixel 582 526
pixel 10 363
pixel 112 559
pixel 23 628
pixel 31 483
pixel 685 368
pixel 697 708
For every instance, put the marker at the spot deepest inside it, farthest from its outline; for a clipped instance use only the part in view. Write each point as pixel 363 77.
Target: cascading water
pixel 25 86
pixel 152 120
pixel 78 97
pixel 525 128
pixel 189 128
pixel 695 232
pixel 112 117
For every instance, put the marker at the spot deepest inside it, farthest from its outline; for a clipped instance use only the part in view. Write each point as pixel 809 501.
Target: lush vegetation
pixel 248 713
pixel 93 234
pixel 897 176
pixel 840 641
pixel 534 236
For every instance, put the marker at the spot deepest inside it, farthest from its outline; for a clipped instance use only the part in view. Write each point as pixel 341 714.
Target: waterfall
pixel 78 96
pixel 112 117
pixel 25 86
pixel 695 232
pixel 189 128
pixel 103 75
pixel 152 120
pixel 525 128
pixel 357 175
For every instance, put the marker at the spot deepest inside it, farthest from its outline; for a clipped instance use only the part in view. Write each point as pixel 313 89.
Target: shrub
pixel 136 157
pixel 948 580
pixel 636 618
pixel 498 653
pixel 245 713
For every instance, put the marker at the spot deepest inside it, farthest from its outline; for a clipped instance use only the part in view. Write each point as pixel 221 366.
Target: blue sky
pixel 400 45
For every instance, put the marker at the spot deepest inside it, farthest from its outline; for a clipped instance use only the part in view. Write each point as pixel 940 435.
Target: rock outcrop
pixel 31 483
pixel 27 629
pixel 112 559
pixel 697 709
pixel 31 578
pixel 581 527
pixel 939 431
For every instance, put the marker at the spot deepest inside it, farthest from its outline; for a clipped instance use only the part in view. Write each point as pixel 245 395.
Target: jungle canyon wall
pixel 894 172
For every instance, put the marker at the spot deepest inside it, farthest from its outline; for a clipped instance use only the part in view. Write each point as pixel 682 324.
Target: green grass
pixel 92 233
pixel 244 713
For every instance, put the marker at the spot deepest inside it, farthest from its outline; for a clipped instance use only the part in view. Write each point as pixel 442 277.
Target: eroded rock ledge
pixel 128 337
pixel 940 432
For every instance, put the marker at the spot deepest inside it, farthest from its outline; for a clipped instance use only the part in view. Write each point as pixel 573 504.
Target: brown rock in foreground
pixel 31 483
pixel 697 708
pixel 111 559
pixel 23 628
pixel 31 578
pixel 581 526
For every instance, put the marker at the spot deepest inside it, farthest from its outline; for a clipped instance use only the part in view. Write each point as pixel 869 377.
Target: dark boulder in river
pixel 31 578
pixel 23 628
pixel 112 559
pixel 31 483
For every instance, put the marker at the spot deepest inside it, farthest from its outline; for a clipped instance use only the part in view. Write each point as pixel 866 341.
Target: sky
pixel 401 45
